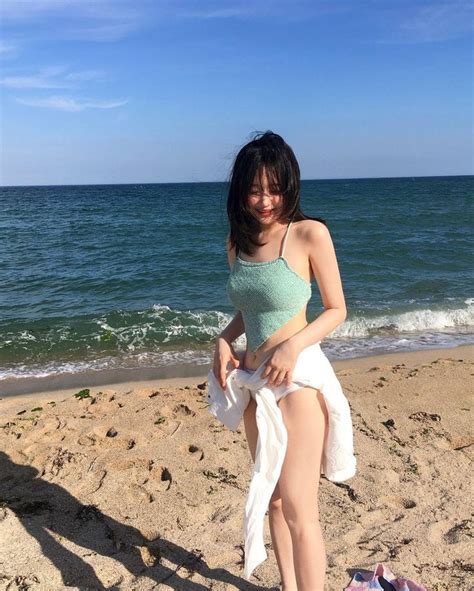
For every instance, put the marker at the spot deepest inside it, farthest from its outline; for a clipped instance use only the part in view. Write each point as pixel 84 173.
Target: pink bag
pixel 382 579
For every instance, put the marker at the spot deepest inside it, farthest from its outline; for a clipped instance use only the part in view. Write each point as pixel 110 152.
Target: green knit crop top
pixel 268 294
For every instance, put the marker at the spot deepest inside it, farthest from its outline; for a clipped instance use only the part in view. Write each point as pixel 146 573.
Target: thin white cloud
pixel 112 20
pixel 28 82
pixel 101 33
pixel 439 21
pixel 218 13
pixel 50 77
pixel 390 21
pixel 27 9
pixel 6 47
pixel 59 77
pixel 32 9
pixel 63 103
pixel 85 75
pixel 432 22
pixel 228 12
pixel 87 20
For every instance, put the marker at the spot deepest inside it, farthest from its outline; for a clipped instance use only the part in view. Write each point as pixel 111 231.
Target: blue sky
pixel 125 91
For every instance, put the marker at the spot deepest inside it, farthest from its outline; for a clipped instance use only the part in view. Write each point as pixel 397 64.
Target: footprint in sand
pixel 345 372
pixel 47 429
pixel 196 452
pixel 86 440
pixel 451 533
pixel 353 536
pixel 460 532
pixel 91 482
pixel 398 501
pixel 132 499
pixel 166 427
pixel 391 477
pixel 161 477
pixel 371 518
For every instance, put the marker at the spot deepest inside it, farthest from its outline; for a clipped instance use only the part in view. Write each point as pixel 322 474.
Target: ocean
pixel 128 281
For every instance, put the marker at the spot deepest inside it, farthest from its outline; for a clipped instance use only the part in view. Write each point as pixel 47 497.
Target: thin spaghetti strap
pixel 284 239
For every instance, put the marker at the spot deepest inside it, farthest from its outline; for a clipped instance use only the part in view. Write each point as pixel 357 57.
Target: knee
pixel 275 500
pixel 298 517
pixel 275 504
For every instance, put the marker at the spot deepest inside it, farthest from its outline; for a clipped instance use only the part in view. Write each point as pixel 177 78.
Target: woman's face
pixel 265 201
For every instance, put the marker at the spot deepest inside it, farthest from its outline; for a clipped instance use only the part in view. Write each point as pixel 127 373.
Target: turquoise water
pixel 133 276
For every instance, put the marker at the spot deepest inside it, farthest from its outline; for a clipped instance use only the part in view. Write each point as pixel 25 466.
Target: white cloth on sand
pixel 313 369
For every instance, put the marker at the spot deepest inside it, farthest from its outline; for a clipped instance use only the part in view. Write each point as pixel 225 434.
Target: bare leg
pixel 282 542
pixel 281 537
pixel 305 416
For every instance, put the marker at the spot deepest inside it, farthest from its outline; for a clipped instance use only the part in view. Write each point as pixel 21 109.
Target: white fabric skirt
pixel 338 462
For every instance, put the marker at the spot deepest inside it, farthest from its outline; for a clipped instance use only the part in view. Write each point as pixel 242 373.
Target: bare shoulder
pixel 313 232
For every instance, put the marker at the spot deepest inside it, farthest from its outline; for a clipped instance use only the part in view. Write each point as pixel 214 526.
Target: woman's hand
pixel 223 354
pixel 281 364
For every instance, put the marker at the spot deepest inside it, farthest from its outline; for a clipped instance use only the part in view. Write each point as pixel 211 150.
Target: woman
pixel 277 251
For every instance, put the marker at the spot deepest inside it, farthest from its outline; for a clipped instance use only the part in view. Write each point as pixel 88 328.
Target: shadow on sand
pixel 41 506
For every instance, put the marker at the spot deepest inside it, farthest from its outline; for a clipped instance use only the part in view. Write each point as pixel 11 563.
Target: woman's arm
pixel 234 329
pixel 323 261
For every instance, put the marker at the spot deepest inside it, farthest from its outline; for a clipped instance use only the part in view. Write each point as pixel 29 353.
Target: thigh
pixel 251 429
pixel 305 416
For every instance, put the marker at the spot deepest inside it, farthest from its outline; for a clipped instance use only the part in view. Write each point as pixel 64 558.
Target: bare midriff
pixel 253 359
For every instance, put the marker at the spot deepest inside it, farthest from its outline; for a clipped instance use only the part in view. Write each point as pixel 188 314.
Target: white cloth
pixel 338 462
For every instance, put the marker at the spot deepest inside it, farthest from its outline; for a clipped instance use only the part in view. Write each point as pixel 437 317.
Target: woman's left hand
pixel 281 364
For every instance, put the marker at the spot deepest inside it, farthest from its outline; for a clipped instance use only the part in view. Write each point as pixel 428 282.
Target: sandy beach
pixel 137 486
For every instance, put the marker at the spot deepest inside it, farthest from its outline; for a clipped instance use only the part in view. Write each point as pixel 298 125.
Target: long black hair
pixel 268 151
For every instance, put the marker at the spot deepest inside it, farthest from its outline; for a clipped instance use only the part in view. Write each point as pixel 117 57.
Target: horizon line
pixel 221 182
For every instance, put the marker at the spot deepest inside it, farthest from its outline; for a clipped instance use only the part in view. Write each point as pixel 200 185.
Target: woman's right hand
pixel 223 354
